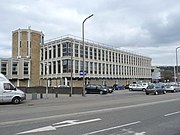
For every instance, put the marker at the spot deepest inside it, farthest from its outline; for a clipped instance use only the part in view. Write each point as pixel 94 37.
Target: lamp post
pixel 177 64
pixel 83 92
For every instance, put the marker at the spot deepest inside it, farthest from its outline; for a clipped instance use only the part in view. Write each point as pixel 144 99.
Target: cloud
pixel 150 26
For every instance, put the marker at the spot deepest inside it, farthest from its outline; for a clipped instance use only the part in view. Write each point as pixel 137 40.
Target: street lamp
pixel 177 64
pixel 83 92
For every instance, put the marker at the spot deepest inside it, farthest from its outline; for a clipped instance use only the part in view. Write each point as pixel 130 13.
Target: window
pixel 76 50
pixel 45 53
pixel 14 68
pixel 76 66
pixel 99 54
pixel 50 54
pixel 95 68
pixel 66 66
pixel 41 54
pixel 86 67
pixel 86 52
pixel 107 56
pixel 54 51
pixel 110 56
pixel 3 68
pixel 107 69
pixel 59 66
pixel 67 49
pixel 8 86
pixel 54 67
pixel 103 55
pixel 59 50
pixel 91 52
pixel 91 67
pixel 99 68
pixel 81 51
pixel 26 68
pixel 103 68
pixel 95 53
pixel 113 56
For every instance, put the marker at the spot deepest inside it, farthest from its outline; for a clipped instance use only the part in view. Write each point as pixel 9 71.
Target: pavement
pixel 32 99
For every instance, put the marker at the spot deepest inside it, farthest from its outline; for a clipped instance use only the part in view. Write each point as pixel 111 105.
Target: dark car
pixel 95 89
pixel 155 89
pixel 110 89
pixel 118 87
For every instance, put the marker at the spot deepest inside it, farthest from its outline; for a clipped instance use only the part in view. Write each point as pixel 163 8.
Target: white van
pixel 9 93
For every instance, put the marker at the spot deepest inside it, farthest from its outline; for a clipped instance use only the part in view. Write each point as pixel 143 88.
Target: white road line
pixel 172 113
pixel 87 112
pixel 103 130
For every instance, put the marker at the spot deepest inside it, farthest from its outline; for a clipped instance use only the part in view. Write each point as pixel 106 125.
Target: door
pixel 8 92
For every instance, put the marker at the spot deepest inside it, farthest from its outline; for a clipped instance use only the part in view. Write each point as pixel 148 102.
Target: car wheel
pixel 16 100
pixel 101 92
pixel 164 92
pixel 147 93
pixel 155 93
pixel 130 89
pixel 174 91
pixel 143 89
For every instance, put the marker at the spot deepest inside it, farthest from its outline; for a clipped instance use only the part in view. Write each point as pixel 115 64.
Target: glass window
pixel 99 68
pixel 45 53
pixel 99 54
pixel 76 50
pixel 50 54
pixel 76 66
pixel 59 50
pixel 107 69
pixel 26 68
pixel 91 52
pixel 59 66
pixel 54 51
pixel 107 56
pixel 8 86
pixel 103 55
pixel 95 68
pixel 54 67
pixel 110 56
pixel 81 51
pixel 14 68
pixel 86 52
pixel 4 68
pixel 95 53
pixel 91 67
pixel 67 49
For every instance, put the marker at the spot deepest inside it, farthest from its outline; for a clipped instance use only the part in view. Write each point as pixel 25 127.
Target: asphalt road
pixel 120 113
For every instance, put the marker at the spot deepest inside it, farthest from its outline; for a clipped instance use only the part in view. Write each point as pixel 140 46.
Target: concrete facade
pixel 35 63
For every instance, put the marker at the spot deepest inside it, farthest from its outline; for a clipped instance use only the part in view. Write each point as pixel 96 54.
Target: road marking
pixel 87 112
pixel 103 130
pixel 172 113
pixel 59 125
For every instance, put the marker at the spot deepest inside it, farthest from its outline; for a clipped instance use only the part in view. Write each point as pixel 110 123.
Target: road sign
pixel 81 72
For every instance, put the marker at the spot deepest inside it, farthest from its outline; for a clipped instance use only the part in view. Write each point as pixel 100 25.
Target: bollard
pixel 34 96
pixel 41 95
pixel 56 95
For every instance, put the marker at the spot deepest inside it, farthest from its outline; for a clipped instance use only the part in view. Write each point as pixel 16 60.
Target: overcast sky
pixel 148 27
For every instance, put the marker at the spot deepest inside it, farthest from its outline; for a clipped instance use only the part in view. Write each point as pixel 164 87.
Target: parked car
pixel 110 89
pixel 172 88
pixel 63 86
pixel 155 89
pixel 137 87
pixel 118 87
pixel 95 89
